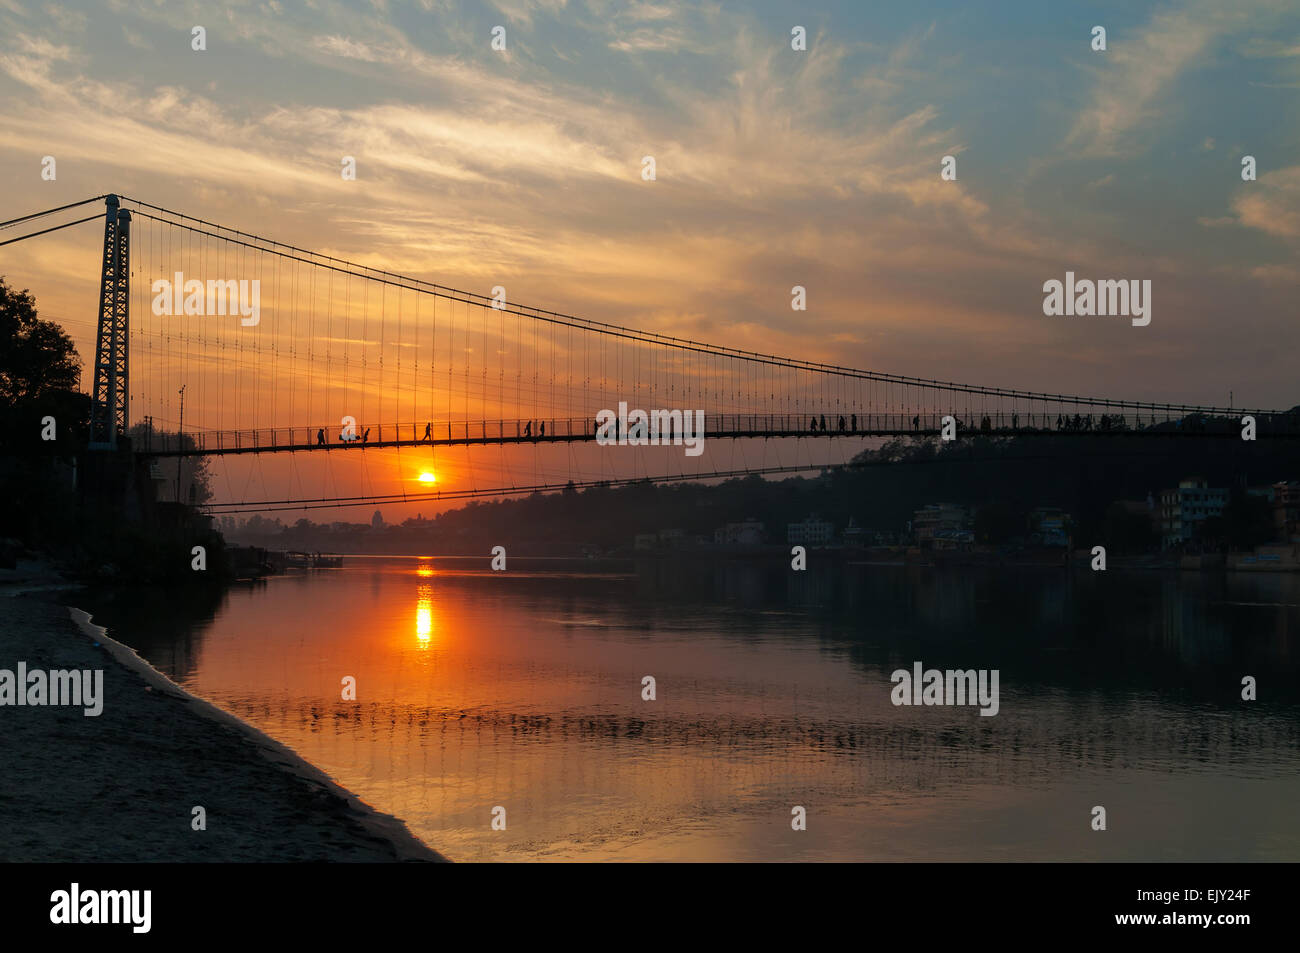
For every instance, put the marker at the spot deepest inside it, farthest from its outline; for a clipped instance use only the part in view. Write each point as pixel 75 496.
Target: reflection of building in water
pixel 1193 623
pixel 944 600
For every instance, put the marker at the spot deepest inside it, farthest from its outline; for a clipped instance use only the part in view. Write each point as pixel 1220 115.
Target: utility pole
pixel 179 435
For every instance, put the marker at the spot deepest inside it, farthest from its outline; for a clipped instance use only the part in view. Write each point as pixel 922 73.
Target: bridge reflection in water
pixel 478 689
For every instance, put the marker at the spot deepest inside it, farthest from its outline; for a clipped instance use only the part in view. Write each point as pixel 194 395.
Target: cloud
pixel 30 63
pixel 1132 76
pixel 1271 204
pixel 1283 274
pixel 774 168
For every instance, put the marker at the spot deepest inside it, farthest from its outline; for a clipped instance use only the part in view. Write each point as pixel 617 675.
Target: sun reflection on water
pixel 424 613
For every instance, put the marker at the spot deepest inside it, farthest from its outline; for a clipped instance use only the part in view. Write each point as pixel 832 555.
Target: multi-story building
pixel 1182 507
pixel 941 526
pixel 1286 510
pixel 673 538
pixel 747 532
pixel 810 532
pixel 1050 526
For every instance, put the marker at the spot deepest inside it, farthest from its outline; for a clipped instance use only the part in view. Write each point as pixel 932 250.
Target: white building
pixel 811 532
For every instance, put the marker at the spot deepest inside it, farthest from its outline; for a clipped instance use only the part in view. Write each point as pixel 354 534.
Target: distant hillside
pixel 1081 474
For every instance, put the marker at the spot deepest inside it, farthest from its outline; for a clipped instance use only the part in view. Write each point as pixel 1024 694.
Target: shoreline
pixel 384 826
pixel 121 786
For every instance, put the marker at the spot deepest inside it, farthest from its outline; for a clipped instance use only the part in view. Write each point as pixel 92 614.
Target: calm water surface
pixel 523 690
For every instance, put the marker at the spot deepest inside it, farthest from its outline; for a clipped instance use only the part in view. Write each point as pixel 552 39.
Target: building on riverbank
pixel 1286 510
pixel 1183 507
pixel 811 531
pixel 942 526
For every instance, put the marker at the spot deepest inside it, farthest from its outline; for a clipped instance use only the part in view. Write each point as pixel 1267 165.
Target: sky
pixel 774 167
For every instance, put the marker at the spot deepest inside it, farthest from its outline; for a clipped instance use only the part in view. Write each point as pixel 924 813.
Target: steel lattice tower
pixel 108 412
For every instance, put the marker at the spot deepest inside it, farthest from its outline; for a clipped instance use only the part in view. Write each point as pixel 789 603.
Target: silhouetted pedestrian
pixel 320 437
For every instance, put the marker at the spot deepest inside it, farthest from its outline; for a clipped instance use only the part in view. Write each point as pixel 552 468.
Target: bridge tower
pixel 108 414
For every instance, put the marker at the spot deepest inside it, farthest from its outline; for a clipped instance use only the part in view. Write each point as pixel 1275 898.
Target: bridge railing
pixel 807 424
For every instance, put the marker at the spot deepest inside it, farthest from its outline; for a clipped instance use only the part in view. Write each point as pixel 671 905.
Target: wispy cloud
pixel 1133 78
pixel 1272 204
pixel 774 167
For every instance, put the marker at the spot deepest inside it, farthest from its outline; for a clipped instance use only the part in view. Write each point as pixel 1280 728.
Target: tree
pixel 37 358
pixel 1249 521
pixel 996 523
pixel 39 368
pixel 1125 531
pixel 43 420
pixel 194 475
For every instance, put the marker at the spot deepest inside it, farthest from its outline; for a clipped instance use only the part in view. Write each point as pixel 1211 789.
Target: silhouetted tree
pixel 37 357
pixel 1124 531
pixel 1248 521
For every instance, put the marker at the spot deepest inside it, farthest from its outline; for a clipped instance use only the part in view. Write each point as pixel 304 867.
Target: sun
pixel 427 477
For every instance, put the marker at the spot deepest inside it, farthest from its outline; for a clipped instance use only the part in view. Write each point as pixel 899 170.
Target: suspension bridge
pixel 279 349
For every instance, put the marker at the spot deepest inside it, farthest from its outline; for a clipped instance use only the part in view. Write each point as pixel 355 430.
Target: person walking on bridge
pixel 428 432
pixel 320 437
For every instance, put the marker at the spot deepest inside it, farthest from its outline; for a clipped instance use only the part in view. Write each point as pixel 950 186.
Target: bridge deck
pixel 725 426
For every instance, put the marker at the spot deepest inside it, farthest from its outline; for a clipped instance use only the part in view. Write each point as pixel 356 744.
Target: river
pixel 523 690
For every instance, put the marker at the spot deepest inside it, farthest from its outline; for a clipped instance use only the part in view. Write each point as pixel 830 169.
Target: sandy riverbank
pixel 121 786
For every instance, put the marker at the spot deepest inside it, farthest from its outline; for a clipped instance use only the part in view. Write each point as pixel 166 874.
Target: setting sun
pixel 428 477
